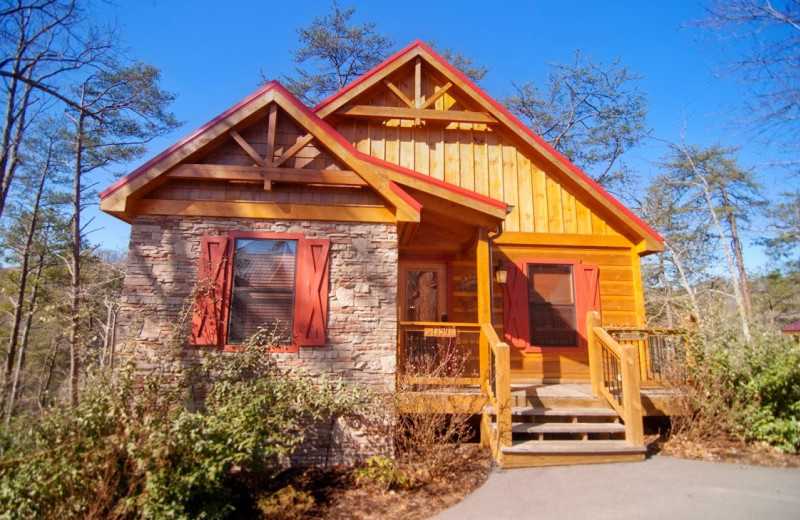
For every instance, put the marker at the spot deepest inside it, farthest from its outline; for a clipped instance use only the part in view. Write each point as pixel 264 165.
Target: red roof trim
pixel 407 198
pixel 188 139
pixel 322 124
pixel 433 181
pixel 497 106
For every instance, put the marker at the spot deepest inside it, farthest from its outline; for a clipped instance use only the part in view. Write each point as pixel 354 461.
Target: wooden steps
pixel 525 454
pixel 552 436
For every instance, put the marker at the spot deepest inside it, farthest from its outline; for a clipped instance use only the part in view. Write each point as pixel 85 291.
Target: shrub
pixel 747 389
pixel 135 451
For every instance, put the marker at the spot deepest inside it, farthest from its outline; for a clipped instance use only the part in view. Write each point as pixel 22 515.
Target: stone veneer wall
pixel 362 318
pixel 361 341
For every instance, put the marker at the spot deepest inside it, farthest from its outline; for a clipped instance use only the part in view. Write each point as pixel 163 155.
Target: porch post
pixel 484 279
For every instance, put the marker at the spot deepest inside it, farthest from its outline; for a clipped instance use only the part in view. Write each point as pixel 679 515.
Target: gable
pixel 266 157
pixel 418 112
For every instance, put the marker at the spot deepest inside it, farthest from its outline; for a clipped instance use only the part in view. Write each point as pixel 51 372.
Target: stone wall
pixel 361 345
pixel 362 318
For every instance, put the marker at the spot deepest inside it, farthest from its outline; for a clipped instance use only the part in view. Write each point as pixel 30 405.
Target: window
pixel 545 303
pixel 249 280
pixel 262 287
pixel 551 305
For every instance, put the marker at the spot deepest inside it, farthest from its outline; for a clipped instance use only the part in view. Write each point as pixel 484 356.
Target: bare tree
pixel 121 108
pixel 771 67
pixel 42 43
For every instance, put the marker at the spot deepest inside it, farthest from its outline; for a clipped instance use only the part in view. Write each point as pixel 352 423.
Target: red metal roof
pixel 792 328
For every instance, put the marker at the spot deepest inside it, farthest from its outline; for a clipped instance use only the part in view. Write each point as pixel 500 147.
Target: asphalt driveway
pixel 660 487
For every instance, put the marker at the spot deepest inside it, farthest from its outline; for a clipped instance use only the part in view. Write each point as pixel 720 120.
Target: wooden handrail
pixel 630 409
pixel 499 396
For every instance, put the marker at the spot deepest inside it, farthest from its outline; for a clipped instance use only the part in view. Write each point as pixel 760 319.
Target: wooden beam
pixel 398 93
pixel 451 116
pixel 266 173
pixel 439 93
pixel 417 87
pixel 272 125
pixel 566 239
pixel 247 148
pixel 296 147
pixel 195 208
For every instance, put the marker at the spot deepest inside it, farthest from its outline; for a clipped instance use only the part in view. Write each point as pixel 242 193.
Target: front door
pixel 423 291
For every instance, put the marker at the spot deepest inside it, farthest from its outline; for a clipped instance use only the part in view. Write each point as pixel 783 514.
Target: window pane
pixel 262 292
pixel 551 305
pixel 550 283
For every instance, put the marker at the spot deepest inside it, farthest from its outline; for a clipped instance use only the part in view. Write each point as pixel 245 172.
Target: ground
pixel 725 450
pixel 339 493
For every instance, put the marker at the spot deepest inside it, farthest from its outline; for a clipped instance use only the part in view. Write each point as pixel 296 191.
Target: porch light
pixel 500 274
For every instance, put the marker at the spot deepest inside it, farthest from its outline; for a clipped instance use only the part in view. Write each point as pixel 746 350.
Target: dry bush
pixel 433 421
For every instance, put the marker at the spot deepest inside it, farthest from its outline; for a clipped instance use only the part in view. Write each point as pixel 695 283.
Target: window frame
pixel 229 284
pixel 583 302
pixel 292 345
pixel 574 304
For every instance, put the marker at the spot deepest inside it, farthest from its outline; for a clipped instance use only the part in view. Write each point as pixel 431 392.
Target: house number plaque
pixel 440 332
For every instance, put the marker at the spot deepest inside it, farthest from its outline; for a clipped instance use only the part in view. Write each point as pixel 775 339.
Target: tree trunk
pixel 75 265
pixel 737 251
pixel 737 288
pixel 23 344
pixel 16 321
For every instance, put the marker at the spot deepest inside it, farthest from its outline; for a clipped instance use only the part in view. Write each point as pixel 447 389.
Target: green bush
pixel 748 389
pixel 134 451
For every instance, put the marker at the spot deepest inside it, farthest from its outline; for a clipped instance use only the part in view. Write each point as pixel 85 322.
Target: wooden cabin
pixel 408 222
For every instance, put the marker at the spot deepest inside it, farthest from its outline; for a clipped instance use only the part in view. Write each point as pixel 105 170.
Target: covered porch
pixel 633 374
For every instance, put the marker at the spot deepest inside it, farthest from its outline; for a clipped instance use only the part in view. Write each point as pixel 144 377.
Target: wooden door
pixel 423 291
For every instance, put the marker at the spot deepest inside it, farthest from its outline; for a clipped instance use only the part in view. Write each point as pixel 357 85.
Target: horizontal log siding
pixel 618 305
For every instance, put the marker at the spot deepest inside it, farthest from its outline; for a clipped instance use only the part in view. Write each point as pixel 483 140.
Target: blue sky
pixel 211 52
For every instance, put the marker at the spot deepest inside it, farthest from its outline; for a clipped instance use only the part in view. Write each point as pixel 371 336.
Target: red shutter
pixel 591 278
pixel 515 308
pixel 588 285
pixel 207 321
pixel 311 297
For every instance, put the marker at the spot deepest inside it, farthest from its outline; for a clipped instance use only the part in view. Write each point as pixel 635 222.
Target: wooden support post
pixel 595 359
pixel 632 396
pixel 273 125
pixel 503 378
pixel 483 277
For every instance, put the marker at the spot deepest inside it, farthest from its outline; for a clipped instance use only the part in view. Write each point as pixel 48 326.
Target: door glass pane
pixel 422 295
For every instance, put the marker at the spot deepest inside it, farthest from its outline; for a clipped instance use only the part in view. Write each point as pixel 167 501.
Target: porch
pixel 542 423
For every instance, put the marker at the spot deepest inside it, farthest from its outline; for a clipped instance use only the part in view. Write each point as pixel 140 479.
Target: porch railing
pixel 496 385
pixel 662 352
pixel 439 353
pixel 616 376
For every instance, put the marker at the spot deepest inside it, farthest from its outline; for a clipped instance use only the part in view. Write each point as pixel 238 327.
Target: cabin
pixel 410 234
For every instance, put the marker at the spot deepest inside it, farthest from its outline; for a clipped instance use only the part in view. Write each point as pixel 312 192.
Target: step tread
pixel 577 447
pixel 558 427
pixel 559 412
